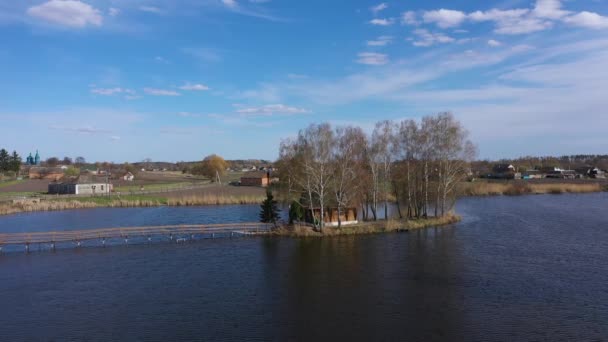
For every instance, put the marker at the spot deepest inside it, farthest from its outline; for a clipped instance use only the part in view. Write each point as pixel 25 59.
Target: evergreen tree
pixel 296 212
pixel 4 160
pixel 270 210
pixel 15 162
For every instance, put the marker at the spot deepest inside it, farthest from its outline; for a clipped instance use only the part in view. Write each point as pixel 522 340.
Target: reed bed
pixel 366 228
pixel 522 188
pixel 126 202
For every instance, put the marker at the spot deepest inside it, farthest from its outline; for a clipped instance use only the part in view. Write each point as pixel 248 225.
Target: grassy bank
pixel 365 228
pixel 515 188
pixel 128 201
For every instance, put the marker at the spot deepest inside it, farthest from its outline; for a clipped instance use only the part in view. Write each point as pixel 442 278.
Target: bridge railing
pixel 126 232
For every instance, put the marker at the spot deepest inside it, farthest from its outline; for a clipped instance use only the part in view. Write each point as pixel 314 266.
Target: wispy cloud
pixel 112 91
pixel 151 9
pixel 80 129
pixel 378 8
pixel 194 87
pixel 382 21
pixel 272 109
pixel 380 41
pixel 161 92
pixel 372 58
pixel 112 11
pixel 424 38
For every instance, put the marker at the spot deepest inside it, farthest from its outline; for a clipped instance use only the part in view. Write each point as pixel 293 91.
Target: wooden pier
pixel 178 233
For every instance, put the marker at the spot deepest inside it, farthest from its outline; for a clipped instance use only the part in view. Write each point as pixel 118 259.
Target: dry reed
pixel 126 202
pixel 521 188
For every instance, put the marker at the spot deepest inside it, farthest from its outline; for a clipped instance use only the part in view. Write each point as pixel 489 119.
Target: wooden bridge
pixel 177 233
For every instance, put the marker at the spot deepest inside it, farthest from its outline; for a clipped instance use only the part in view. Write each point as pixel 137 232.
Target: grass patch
pixel 159 186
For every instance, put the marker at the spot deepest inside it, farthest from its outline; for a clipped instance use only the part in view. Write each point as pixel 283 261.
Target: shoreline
pixel 470 189
pixel 368 228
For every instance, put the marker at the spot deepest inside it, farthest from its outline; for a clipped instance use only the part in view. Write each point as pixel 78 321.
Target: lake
pixel 516 268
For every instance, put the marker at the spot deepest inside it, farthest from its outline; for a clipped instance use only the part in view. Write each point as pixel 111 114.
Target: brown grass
pixel 125 202
pixel 366 228
pixel 522 188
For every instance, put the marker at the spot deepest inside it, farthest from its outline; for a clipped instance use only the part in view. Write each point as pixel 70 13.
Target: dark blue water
pixel 126 217
pixel 515 269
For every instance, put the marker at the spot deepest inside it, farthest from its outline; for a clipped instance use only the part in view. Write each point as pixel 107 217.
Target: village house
pixel 76 188
pixel 129 177
pixel 596 173
pixel 504 171
pixel 257 179
pixel 82 185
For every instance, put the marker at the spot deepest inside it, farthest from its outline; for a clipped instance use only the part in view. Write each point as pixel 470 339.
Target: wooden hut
pixel 348 216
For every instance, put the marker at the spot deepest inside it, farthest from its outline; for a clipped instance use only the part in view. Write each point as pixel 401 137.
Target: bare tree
pixel 350 143
pixel 319 139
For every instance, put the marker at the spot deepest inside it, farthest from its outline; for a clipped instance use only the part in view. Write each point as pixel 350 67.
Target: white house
pixel 129 177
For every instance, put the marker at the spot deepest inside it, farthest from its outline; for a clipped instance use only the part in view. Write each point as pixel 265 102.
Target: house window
pixel 102 188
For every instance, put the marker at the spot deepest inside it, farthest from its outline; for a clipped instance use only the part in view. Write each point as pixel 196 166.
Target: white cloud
pixel 372 58
pixel 112 91
pixel 515 21
pixel 194 87
pixel 380 41
pixel 150 9
pixel 160 92
pixel 70 13
pixel 272 109
pixel 113 11
pixel 588 20
pixel 444 18
pixel 379 8
pixel 550 9
pixel 426 38
pixel 230 3
pixel 382 22
pixel 409 18
pixel 494 43
pixel 114 138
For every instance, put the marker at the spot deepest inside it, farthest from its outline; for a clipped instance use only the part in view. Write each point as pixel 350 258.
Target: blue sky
pixel 124 80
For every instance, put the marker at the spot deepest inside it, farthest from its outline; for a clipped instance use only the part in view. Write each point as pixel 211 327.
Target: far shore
pixel 229 195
